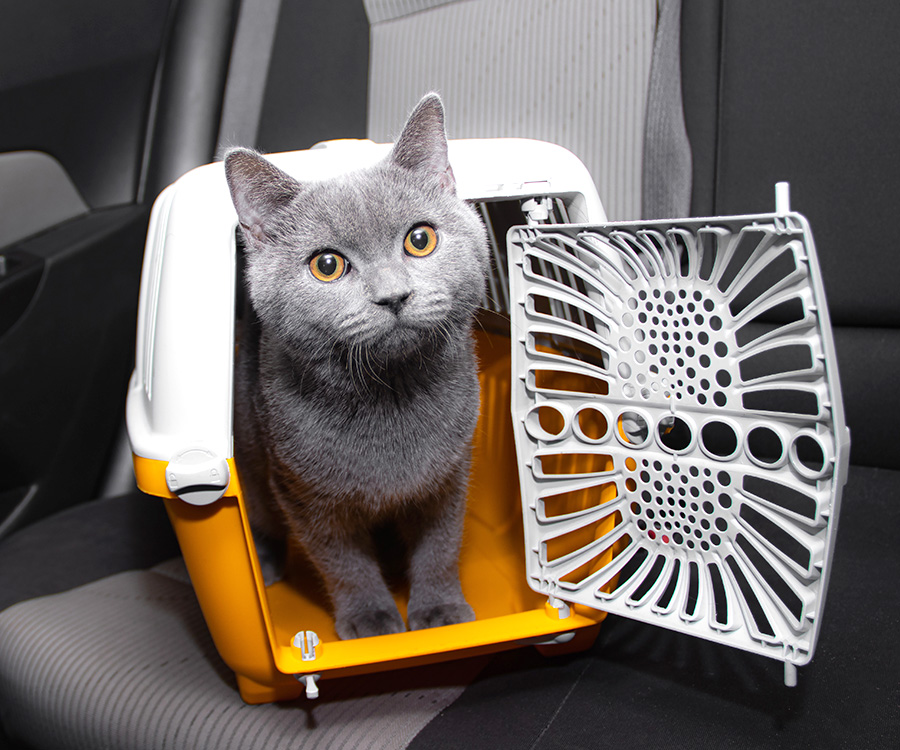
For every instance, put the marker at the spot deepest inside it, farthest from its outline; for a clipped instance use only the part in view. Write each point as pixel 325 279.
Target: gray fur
pixel 356 399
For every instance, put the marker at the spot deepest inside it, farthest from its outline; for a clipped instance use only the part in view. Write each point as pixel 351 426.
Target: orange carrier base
pixel 254 626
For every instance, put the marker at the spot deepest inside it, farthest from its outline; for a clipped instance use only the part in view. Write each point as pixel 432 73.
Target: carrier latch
pixel 198 476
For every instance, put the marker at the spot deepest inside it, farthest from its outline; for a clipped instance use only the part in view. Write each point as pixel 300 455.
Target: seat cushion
pixel 127 662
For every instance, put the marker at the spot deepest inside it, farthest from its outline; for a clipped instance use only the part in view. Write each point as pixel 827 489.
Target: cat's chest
pixel 384 442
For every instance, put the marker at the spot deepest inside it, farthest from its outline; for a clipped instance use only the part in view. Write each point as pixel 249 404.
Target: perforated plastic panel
pixel 679 424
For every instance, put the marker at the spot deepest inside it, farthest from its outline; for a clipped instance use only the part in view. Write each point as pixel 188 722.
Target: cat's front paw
pixel 368 623
pixel 436 615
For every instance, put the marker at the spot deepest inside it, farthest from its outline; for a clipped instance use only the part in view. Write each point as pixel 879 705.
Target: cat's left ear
pixel 259 190
pixel 423 143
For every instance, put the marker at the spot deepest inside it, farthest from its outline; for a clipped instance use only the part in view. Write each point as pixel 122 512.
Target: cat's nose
pixel 394 301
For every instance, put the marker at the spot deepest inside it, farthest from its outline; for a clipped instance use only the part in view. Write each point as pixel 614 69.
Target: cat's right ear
pixel 259 190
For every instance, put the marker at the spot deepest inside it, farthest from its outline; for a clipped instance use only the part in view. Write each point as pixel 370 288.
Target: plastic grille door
pixel 679 424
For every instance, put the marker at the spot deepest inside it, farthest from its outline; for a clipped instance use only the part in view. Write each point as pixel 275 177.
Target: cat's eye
pixel 328 266
pixel 420 241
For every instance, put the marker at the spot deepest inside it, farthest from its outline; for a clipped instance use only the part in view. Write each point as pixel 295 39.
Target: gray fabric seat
pixel 127 662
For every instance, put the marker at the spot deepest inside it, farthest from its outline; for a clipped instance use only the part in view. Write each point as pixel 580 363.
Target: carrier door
pixel 679 424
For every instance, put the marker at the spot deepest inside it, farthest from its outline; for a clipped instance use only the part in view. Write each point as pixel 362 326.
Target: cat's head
pixel 385 258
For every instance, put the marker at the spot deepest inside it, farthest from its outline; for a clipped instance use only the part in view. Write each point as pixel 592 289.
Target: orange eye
pixel 328 266
pixel 420 241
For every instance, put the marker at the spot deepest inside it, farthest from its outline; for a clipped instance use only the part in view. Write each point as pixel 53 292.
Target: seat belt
pixel 666 169
pixel 247 73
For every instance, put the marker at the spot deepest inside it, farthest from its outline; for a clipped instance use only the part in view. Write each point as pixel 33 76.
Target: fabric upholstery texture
pixel 570 72
pixel 127 662
pixel 666 179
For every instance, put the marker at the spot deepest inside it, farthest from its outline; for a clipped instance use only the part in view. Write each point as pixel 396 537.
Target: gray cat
pixel 356 383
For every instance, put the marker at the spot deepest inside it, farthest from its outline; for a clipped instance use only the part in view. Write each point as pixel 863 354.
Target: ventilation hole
pixel 579 538
pixel 624 370
pixel 783 314
pixel 575 501
pixel 723 378
pixel 632 566
pixel 781 495
pixel 719 439
pixel 630 464
pixel 597 562
pixel 554 464
pixel 776 536
pixel 570 382
pixel 719 398
pixel 725 500
pixel 747 243
pixel 592 424
pixel 624 344
pixel 566 346
pixel 807 452
pixel 782 401
pixel 777 361
pixel 721 524
pixel 709 305
pixel 666 597
pixel 674 433
pixel 771 577
pixel 718 591
pixel 708 509
pixel 715 322
pixel 766 278
pixel 709 250
pixel 721 349
pixel 693 593
pixel 649 580
pixel 703 338
pixel 545 422
pixel 633 428
pixel 756 610
pixel 630 485
pixel 542 305
pixel 632 303
pixel 764 445
pixel 724 478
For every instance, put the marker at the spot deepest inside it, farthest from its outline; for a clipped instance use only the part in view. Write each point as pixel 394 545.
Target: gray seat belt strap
pixel 666 177
pixel 247 73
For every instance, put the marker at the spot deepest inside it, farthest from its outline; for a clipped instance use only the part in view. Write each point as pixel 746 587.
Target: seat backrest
pixel 571 72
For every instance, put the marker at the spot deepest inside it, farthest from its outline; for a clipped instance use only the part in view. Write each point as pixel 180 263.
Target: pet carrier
pixel 673 467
